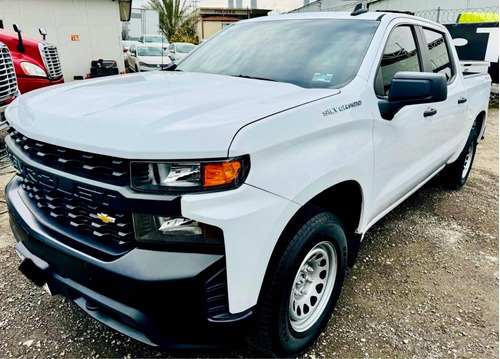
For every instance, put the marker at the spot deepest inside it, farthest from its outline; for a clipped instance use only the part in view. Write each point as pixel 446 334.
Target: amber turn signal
pixel 217 174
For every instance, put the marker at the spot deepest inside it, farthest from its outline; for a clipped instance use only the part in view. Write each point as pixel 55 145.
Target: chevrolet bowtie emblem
pixel 105 218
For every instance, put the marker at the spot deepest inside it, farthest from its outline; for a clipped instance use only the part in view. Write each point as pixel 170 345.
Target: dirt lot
pixel 425 286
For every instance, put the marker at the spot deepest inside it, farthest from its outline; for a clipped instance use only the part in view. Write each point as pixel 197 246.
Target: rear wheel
pixel 455 174
pixel 302 285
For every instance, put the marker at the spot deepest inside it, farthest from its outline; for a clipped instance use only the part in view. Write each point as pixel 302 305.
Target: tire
pixel 455 174
pixel 136 68
pixel 310 263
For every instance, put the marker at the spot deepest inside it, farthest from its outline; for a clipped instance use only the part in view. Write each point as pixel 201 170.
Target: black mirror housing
pixel 411 88
pixel 20 45
pixel 42 32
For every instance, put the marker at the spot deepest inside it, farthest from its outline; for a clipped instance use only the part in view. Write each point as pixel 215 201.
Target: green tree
pixel 177 22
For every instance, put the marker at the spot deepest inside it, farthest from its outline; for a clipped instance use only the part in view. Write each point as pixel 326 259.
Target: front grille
pixel 51 60
pixel 98 167
pixel 8 82
pixel 75 213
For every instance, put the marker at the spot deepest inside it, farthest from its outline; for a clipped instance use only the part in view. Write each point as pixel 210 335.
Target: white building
pixel 82 30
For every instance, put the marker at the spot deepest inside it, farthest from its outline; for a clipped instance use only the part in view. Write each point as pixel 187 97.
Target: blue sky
pixel 281 5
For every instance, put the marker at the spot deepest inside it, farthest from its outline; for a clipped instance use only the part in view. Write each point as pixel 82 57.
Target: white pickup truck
pixel 226 197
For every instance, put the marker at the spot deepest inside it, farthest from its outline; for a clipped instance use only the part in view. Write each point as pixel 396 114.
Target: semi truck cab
pixel 36 62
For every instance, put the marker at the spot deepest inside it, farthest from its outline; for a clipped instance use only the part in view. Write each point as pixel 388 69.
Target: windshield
pixel 184 48
pixel 307 53
pixel 151 51
pixel 149 39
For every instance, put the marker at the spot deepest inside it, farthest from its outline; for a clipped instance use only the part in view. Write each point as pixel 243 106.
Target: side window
pixel 400 54
pixel 438 53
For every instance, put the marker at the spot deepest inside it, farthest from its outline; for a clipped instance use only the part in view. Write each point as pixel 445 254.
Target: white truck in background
pixel 233 195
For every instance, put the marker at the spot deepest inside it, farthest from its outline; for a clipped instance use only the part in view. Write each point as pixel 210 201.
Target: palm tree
pixel 175 19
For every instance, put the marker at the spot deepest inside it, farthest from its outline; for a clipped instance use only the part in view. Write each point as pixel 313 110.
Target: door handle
pixel 430 112
pixel 462 100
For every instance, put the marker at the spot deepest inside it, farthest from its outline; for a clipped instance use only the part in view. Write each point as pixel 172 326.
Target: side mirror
pixel 411 88
pixel 20 46
pixel 42 32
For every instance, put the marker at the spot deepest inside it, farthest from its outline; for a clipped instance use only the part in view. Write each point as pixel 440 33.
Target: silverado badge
pixel 105 218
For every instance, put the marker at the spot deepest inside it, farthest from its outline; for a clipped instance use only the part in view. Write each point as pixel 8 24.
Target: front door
pixel 403 146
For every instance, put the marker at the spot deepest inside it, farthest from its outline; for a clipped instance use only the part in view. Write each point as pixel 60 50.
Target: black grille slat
pixel 74 212
pixel 98 167
pixel 216 295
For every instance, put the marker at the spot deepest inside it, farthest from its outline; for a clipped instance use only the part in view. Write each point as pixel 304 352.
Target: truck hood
pixel 158 115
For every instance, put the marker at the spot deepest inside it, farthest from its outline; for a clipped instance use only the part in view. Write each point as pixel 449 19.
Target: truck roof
pixel 370 15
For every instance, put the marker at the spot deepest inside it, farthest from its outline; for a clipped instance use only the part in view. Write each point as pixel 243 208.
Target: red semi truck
pixel 36 62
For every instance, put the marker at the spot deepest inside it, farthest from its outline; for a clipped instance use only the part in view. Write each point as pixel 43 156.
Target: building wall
pixel 96 24
pixel 210 28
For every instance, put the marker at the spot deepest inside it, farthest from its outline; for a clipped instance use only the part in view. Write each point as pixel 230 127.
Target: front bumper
pixel 152 67
pixel 26 84
pixel 159 298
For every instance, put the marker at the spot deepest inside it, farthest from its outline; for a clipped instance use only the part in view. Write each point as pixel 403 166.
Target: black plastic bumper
pixel 159 298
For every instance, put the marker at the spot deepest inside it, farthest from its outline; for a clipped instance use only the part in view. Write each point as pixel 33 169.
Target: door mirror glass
pixel 17 28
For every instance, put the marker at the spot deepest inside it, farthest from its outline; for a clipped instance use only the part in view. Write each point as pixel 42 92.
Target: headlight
pixel 189 176
pixel 175 231
pixel 32 69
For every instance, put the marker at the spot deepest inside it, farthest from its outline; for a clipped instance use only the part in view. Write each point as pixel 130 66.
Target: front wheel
pixel 302 285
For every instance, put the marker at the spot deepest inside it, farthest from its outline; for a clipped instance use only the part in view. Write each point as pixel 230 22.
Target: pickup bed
pixel 226 196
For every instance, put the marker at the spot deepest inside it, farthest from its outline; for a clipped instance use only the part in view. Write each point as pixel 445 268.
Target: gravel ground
pixel 425 286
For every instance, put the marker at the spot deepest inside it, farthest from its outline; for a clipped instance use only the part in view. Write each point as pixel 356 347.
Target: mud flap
pixel 353 247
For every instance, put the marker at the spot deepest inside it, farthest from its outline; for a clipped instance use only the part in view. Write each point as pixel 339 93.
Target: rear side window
pixel 438 53
pixel 400 54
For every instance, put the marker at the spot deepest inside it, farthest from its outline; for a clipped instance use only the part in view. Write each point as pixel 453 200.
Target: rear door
pixel 449 120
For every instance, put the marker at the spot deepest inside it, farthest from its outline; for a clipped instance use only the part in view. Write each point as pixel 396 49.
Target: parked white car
pixel 147 58
pixel 153 39
pixel 177 50
pixel 127 43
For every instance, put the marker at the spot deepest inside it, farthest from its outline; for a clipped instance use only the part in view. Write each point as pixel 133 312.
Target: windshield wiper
pixel 170 67
pixel 253 78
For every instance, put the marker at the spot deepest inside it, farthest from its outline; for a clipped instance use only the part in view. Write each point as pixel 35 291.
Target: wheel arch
pixel 345 200
pixel 480 122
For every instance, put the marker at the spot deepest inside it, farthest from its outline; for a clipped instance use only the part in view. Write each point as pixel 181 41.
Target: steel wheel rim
pixel 312 286
pixel 468 160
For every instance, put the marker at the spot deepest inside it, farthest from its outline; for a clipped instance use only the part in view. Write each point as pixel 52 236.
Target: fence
pixel 451 16
pixel 443 16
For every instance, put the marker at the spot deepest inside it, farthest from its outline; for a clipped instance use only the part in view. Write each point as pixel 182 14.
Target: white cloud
pixel 281 5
